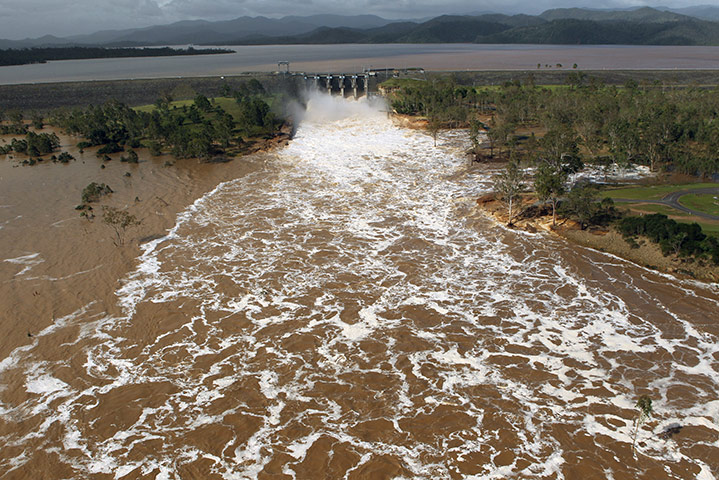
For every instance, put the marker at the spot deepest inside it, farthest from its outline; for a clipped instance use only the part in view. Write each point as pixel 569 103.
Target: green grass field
pixel 652 192
pixel 228 104
pixel 705 202
pixel 649 208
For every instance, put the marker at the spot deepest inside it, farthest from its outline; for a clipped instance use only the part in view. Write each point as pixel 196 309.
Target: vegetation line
pixel 43 55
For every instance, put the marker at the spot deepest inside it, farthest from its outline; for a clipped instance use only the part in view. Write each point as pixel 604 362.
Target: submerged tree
pixel 644 405
pixel 433 126
pixel 474 128
pixel 119 221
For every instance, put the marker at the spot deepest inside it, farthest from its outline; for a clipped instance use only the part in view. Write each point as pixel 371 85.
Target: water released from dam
pixel 344 312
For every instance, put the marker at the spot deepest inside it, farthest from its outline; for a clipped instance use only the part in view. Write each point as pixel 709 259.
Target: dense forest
pixel 200 128
pixel 42 55
pixel 558 130
pixel 664 128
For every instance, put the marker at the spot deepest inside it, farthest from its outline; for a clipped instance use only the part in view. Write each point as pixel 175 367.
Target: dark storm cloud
pixel 34 18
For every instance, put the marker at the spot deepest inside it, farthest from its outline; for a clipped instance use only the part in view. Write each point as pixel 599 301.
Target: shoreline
pixel 55 262
pixel 605 239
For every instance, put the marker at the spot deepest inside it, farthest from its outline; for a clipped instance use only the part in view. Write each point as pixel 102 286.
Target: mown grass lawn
pixel 653 192
pixel 650 208
pixel 704 202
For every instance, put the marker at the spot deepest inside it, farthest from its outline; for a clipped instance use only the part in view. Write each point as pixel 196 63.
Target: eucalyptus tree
pixel 549 186
pixel 509 184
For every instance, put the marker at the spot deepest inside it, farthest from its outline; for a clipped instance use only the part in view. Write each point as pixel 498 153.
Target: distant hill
pixel 451 29
pixel 641 15
pixel 704 12
pixel 205 32
pixel 639 26
pixel 644 26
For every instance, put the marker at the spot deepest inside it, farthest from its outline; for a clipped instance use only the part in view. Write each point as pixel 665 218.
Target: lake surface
pixel 353 58
pixel 344 310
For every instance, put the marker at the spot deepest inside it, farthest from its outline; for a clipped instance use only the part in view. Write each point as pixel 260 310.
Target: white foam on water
pixel 28 261
pixel 343 284
pixel 46 384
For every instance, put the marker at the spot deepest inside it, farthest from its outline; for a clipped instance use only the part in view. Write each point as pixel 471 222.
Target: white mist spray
pixel 325 108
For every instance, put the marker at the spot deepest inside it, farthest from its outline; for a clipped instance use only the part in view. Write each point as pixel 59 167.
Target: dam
pixel 352 85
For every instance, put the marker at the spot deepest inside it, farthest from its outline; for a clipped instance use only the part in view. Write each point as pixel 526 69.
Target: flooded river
pixel 343 312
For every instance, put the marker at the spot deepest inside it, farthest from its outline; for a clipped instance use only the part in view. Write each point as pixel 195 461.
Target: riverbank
pixel 604 239
pixel 55 262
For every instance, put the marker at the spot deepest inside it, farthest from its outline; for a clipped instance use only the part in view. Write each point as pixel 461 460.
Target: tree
pixel 433 126
pixel 202 103
pixel 119 221
pixel 549 186
pixel 15 117
pixel 580 204
pixel 559 149
pixel 644 405
pixel 37 121
pixel 498 135
pixel 509 184
pixel 474 127
pixel 93 191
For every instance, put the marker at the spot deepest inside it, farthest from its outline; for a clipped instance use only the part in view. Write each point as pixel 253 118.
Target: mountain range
pixel 640 26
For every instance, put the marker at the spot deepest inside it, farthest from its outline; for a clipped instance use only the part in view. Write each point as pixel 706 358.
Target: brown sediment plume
pixel 410 121
pixel 55 261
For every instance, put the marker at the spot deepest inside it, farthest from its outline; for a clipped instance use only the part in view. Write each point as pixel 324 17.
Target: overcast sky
pixel 35 18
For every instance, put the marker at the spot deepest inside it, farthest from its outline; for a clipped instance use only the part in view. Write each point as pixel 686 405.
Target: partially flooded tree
pixel 509 185
pixel 474 129
pixel 119 221
pixel 644 405
pixel 549 186
pixel 433 126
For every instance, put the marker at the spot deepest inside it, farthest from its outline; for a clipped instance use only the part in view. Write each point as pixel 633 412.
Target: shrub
pixel 109 148
pixel 65 157
pixel 94 191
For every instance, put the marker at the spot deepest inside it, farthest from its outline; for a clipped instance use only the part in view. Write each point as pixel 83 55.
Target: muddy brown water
pixel 341 311
pixel 354 58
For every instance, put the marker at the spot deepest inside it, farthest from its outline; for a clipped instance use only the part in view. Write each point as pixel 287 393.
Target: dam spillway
pixel 354 85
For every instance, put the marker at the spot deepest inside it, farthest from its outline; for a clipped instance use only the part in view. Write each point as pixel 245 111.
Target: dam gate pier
pixel 354 85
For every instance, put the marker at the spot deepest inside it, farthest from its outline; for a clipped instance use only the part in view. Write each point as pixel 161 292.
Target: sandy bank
pixel 606 240
pixel 54 262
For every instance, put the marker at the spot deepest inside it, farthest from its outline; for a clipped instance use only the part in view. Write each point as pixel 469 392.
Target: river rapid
pixel 344 312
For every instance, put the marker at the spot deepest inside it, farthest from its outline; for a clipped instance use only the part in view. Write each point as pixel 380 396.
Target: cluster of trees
pixel 665 129
pixel 34 144
pixel 674 238
pixel 200 129
pixel 15 122
pixel 42 55
pixel 442 100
